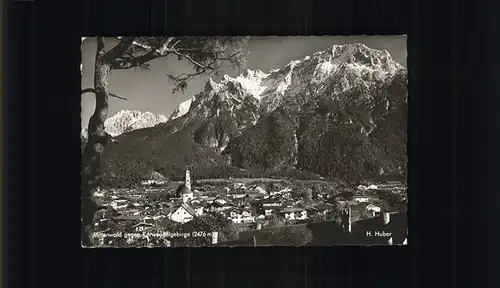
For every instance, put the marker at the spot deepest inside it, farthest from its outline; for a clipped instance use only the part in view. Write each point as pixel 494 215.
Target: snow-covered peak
pixel 250 80
pixel 349 64
pixel 257 74
pixel 362 57
pixel 182 109
pixel 129 120
pixel 338 68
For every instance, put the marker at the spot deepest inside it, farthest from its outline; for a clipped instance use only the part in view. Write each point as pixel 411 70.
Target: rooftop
pixel 189 209
pixel 186 190
pixel 293 209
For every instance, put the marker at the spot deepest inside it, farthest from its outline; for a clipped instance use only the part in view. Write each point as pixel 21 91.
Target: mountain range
pixel 339 113
pixel 126 121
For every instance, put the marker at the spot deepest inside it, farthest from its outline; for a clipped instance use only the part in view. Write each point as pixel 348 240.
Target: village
pixel 146 216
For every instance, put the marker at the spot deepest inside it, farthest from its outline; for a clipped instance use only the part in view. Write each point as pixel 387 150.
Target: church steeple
pixel 187 194
pixel 188 180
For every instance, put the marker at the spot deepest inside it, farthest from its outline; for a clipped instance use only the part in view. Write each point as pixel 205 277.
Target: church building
pixel 186 193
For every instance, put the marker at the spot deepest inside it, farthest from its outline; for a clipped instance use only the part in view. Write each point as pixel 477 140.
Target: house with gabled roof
pixel 238 194
pixel 360 197
pixel 183 214
pixel 233 212
pixel 374 209
pixel 292 213
pixel 246 212
pixel 246 216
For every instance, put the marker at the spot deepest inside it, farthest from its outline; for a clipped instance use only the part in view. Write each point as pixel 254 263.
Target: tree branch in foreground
pixel 159 50
pixel 142 50
pixel 92 90
pixel 120 48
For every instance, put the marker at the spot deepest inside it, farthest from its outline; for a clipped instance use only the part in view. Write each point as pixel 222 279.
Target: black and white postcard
pixel 244 141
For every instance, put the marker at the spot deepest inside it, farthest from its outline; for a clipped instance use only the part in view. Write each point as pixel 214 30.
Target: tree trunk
pixel 97 141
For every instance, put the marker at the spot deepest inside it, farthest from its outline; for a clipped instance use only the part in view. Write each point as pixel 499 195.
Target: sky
pixel 151 90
